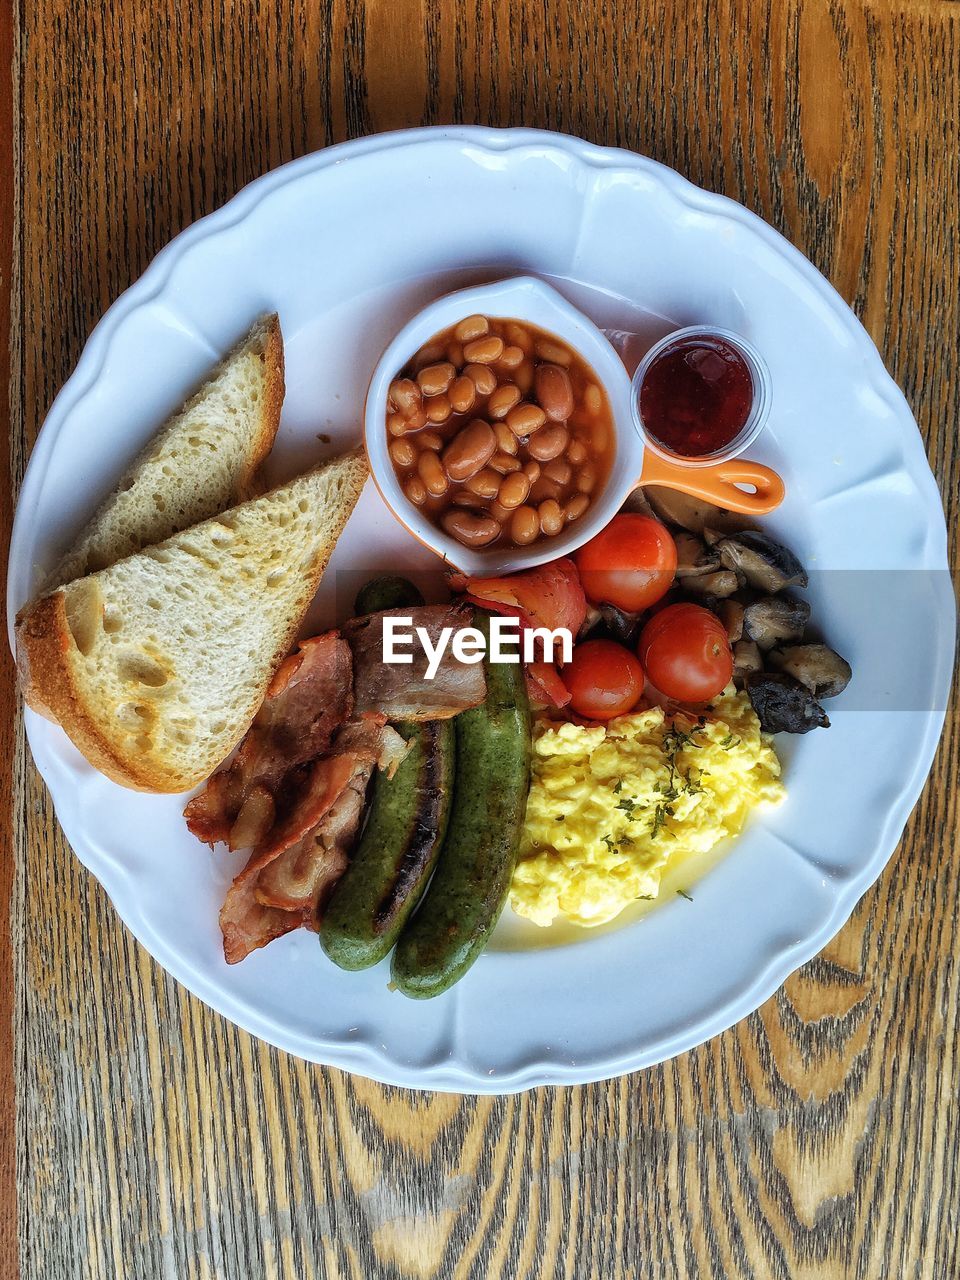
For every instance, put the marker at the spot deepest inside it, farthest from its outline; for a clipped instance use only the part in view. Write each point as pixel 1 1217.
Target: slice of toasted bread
pixel 201 461
pixel 156 666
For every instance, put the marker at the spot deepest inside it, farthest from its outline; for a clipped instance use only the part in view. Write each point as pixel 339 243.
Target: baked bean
pixel 471 529
pixel 498 430
pixel 587 478
pixel 404 395
pixel 543 489
pixel 403 453
pixel 525 419
pixel 553 351
pixel 511 358
pixel 513 490
pixel 432 474
pixel 462 394
pixel 472 327
pixel 470 450
pixel 415 490
pixel 485 483
pixel 484 379
pixel 438 409
pixel 429 353
pixel 484 350
pixel 558 470
pixel 523 376
pixel 548 443
pixel 524 525
pixel 520 337
pixel 504 463
pixel 436 378
pixel 550 515
pixel 554 392
pixel 507 442
pixel 599 438
pixel 503 400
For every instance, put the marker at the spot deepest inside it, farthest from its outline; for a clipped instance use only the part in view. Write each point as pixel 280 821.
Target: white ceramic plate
pixel 346 245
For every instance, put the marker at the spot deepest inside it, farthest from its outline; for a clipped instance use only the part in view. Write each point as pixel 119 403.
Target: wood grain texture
pixel 816 1139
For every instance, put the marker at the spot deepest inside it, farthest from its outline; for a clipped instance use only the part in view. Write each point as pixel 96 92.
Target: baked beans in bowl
pixel 499 432
pixel 500 429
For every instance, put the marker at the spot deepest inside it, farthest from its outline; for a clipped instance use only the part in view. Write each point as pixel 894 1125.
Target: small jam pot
pixel 701 396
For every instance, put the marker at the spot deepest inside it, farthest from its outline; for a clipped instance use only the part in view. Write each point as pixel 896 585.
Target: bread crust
pixel 267 334
pixel 47 653
pixel 274 391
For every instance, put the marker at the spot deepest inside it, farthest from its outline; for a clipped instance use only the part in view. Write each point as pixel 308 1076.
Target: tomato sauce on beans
pixel 500 432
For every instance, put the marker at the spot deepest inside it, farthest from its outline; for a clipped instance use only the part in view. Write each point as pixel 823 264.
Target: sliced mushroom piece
pixel 692 555
pixel 592 620
pixel 637 504
pixel 771 620
pixel 817 666
pixel 692 513
pixel 746 660
pixel 723 582
pixel 766 565
pixel 730 613
pixel 619 625
pixel 784 705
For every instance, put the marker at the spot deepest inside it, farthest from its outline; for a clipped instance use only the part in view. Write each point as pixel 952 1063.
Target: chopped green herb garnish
pixel 683 894
pixel 731 740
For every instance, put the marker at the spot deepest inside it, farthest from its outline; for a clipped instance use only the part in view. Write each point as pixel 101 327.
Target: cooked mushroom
pixel 617 624
pixel 692 555
pixel 730 613
pixel 721 583
pixel 746 660
pixel 766 565
pixel 818 667
pixel 691 513
pixel 784 705
pixel 637 504
pixel 771 620
pixel 591 621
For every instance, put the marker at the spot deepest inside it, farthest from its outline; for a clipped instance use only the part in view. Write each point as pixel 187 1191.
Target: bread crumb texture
pixel 169 652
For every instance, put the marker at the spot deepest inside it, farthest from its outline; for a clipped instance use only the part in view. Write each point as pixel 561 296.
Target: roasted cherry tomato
pixel 604 680
pixel 686 654
pixel 631 563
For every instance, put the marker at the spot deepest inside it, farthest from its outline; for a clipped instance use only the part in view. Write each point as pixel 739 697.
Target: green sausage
pixel 469 886
pixel 388 592
pixel 406 823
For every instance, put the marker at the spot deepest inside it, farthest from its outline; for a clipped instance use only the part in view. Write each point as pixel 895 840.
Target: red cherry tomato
pixel 686 654
pixel 631 563
pixel 604 680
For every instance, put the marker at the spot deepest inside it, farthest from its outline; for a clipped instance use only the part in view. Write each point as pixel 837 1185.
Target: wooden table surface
pixel 816 1139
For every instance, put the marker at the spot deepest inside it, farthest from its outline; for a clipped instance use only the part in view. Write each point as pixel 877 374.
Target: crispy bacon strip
pixel 290 875
pixel 401 691
pixel 309 697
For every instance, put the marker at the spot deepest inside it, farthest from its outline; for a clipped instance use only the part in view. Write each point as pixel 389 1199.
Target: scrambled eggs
pixel 610 805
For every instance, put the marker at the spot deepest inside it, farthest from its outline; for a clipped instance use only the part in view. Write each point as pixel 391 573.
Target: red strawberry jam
pixel 696 396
